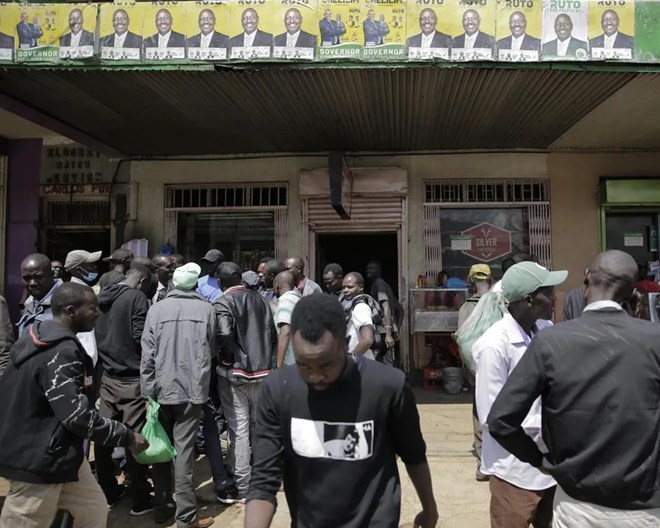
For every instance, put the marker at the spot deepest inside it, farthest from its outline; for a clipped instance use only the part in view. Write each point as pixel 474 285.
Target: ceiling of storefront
pixel 317 109
pixel 15 127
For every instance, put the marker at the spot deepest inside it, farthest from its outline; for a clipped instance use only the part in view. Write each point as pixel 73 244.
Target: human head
pixel 318 335
pixel 610 22
pixel 529 289
pixel 261 269
pixel 58 269
pixel 164 268
pixel 428 21
pixel 229 275
pixel 292 20
pixel 120 21
pixel 250 280
pixel 443 277
pixel 471 21
pixel 139 278
pixel 373 270
pixel 24 17
pixel 120 259
pixel 611 277
pixel 75 306
pixel 480 276
pixel 353 285
pixel 210 261
pixel 186 276
pixel 179 260
pixel 351 441
pixel 507 263
pixel 296 267
pixel 163 21
pixel 250 20
pixel 563 27
pixel 517 24
pixel 83 265
pixel 327 14
pixel 144 261
pixel 37 275
pixel 75 21
pixel 283 283
pixel 333 276
pixel 371 14
pixel 206 21
pixel 273 268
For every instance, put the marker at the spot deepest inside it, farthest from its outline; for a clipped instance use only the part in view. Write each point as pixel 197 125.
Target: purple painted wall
pixel 24 171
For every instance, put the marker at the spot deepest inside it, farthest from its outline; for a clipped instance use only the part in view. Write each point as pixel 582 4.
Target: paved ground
pixel 447 427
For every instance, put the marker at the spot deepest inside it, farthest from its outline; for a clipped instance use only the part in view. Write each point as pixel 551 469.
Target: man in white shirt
pixel 565 45
pixel 473 37
pixel 360 329
pixel 252 36
pixel 294 36
pixel 165 38
pixel 611 37
pixel 519 40
pixel 520 493
pixel 78 36
pixel 122 37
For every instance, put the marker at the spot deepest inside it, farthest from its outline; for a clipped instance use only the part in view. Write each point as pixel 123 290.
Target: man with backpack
pixel 392 315
pixel 361 326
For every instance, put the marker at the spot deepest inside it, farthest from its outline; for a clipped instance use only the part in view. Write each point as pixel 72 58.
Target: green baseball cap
pixel 525 278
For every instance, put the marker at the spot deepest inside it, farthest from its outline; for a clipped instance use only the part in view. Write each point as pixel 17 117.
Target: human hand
pixel 139 444
pixel 389 341
pixel 426 519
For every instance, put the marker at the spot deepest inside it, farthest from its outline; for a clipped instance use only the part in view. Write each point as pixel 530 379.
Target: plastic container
pixel 452 380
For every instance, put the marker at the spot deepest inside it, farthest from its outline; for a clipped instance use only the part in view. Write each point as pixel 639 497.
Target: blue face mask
pixel 88 276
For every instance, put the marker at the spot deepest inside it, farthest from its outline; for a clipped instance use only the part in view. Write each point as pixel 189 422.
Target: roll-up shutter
pixel 368 213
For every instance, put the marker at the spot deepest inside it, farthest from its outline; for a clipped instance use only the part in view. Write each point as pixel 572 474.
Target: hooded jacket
pixel 119 328
pixel 46 409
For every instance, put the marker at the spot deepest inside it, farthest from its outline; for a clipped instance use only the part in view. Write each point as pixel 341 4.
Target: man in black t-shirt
pixel 392 315
pixel 332 429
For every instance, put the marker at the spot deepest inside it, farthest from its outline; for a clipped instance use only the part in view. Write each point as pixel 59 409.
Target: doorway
pixel 353 251
pixel 635 233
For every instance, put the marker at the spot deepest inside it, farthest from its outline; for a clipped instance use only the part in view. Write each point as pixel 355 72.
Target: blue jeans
pixel 221 479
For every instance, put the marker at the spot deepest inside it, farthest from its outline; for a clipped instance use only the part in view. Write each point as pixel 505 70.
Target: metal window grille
pixel 205 196
pixel 78 213
pixel 486 191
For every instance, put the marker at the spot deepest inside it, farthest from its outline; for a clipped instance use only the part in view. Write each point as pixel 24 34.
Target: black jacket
pixel 46 409
pixel 246 333
pixel 119 330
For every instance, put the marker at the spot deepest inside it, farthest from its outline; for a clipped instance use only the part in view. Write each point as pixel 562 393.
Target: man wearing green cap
pixel 520 494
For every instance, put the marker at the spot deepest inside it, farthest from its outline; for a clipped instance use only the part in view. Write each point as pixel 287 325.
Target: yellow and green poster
pixel 384 30
pixel 472 27
pixel 429 30
pixel 612 30
pixel 295 30
pixel 207 28
pixel 37 33
pixel 163 30
pixel 252 25
pixel 340 29
pixel 77 30
pixel 8 41
pixel 120 30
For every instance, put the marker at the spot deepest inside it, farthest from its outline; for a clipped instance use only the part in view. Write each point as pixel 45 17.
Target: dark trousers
pixel 514 507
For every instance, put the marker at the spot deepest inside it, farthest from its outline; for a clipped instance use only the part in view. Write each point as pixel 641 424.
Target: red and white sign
pixel 489 242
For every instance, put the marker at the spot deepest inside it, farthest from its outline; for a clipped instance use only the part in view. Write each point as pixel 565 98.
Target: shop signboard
pixel 489 242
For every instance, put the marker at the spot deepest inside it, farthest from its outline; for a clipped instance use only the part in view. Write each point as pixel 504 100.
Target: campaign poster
pixel 384 30
pixel 647 21
pixel 37 31
pixel 612 30
pixel 77 34
pixel 295 30
pixel 519 30
pixel 429 30
pixel 565 32
pixel 120 30
pixel 8 15
pixel 163 29
pixel 473 30
pixel 207 27
pixel 251 25
pixel 340 29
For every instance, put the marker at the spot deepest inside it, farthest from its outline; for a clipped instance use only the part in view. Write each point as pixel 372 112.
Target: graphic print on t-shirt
pixel 335 440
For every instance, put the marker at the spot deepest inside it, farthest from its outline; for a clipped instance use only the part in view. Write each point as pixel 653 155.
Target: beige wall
pixel 573 191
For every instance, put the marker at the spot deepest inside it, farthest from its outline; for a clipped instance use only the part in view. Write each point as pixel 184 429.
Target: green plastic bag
pixel 160 448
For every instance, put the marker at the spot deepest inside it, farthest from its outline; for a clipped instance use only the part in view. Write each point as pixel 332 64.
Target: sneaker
pixel 202 522
pixel 164 515
pixel 142 508
pixel 228 495
pixel 480 477
pixel 117 495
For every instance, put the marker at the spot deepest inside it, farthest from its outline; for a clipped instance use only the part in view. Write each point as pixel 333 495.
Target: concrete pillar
pixel 23 176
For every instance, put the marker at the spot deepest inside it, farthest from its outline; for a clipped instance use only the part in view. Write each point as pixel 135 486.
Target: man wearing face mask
pixel 82 265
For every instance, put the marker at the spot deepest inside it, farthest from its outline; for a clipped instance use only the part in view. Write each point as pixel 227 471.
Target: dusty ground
pixel 447 427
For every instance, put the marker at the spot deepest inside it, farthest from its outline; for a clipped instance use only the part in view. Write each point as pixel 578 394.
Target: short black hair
pixel 265 259
pixel 507 263
pixel 334 268
pixel 274 267
pixel 143 271
pixel 359 278
pixel 110 278
pixel 229 274
pixel 316 314
pixel 69 294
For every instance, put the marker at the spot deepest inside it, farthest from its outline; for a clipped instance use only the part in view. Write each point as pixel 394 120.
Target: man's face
pixel 86 314
pixel 372 271
pixel 37 279
pixel 563 27
pixel 543 303
pixel 471 22
pixel 351 287
pixel 163 21
pixel 261 270
pixel 349 443
pixel 610 23
pixel 327 14
pixel 428 21
pixel 206 21
pixel 332 283
pixel 250 20
pixel 338 17
pixel 371 14
pixel 292 21
pixel 75 21
pixel 294 267
pixel 517 24
pixel 164 269
pixel 120 22
pixel 24 18
pixel 319 364
pixel 58 269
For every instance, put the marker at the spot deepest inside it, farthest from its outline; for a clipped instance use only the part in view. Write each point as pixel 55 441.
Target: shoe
pixel 228 495
pixel 202 522
pixel 480 477
pixel 142 508
pixel 117 495
pixel 164 515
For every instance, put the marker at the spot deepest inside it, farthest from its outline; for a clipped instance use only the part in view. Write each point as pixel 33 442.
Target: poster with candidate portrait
pixel 612 30
pixel 565 30
pixel 37 33
pixel 120 32
pixel 207 29
pixel 429 30
pixel 295 30
pixel 384 30
pixel 77 32
pixel 340 29
pixel 252 24
pixel 473 30
pixel 8 15
pixel 518 30
pixel 163 29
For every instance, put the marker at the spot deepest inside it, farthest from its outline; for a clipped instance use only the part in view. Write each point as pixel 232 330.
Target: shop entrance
pixel 635 233
pixel 353 251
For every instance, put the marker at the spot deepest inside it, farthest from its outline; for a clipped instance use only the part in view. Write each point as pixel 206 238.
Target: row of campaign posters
pixel 303 30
